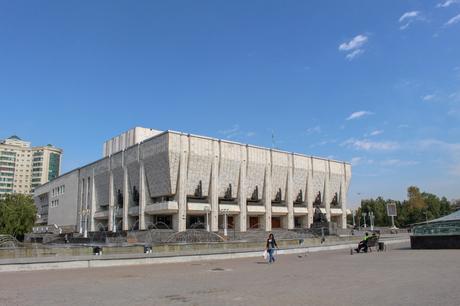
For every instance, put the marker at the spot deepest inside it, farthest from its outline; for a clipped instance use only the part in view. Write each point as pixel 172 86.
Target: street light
pixel 371 220
pixel 225 211
pixel 364 216
pixel 353 217
pixel 84 213
pixel 114 218
pixel 207 209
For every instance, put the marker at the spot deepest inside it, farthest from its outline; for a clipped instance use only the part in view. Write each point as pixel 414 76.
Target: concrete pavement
pixel 400 276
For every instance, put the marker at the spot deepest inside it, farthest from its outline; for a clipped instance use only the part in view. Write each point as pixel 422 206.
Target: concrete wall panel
pixel 174 145
pixel 156 159
pixel 229 167
pixel 199 165
pixel 255 171
pixel 301 166
pixel 280 165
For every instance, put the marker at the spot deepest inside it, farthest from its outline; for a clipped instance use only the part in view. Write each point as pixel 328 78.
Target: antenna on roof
pixel 273 139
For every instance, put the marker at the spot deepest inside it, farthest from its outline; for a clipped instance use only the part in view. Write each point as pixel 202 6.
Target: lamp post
pixel 364 217
pixel 371 220
pixel 84 220
pixel 353 217
pixel 114 219
pixel 225 211
pixel 206 209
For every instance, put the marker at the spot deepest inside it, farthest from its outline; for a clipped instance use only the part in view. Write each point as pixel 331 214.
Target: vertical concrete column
pixel 242 191
pixel 125 197
pixel 326 197
pixel 343 205
pixel 181 192
pixel 289 194
pixel 309 194
pixel 343 197
pixel 267 196
pixel 110 222
pixel 142 199
pixel 214 195
pixel 81 203
pixel 92 202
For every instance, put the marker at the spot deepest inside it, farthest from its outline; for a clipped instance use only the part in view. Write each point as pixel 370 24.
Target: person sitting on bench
pixel 363 244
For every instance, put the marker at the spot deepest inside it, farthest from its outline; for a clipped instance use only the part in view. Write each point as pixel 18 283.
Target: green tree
pixel 17 215
pixel 418 207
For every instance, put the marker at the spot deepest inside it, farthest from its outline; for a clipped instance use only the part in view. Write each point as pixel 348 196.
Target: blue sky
pixel 376 83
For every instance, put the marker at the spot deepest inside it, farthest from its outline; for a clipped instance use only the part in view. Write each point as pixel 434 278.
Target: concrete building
pixel 184 181
pixel 127 139
pixel 22 167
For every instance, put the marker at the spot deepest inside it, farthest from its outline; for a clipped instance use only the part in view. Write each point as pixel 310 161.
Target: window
pixel 54 164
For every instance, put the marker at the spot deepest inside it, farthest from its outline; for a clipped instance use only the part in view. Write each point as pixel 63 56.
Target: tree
pixel 17 215
pixel 418 207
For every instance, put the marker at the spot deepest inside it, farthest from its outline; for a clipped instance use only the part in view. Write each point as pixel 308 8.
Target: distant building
pixel 441 233
pixel 183 181
pixel 23 168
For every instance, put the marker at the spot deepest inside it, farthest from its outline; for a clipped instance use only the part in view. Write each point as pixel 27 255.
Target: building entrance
pixel 276 222
pixel 196 222
pixel 253 222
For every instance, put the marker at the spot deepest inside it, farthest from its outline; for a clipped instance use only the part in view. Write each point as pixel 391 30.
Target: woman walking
pixel 271 244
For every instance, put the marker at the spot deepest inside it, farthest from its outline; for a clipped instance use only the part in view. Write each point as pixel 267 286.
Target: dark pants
pixel 271 257
pixel 362 245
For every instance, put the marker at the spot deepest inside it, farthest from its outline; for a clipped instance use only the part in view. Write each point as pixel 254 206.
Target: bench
pixel 372 242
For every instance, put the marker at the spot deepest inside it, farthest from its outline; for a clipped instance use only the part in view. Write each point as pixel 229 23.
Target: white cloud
pixel 403 126
pixel 356 161
pixel 398 162
pixel 354 46
pixel 233 131
pixel 376 132
pixel 357 42
pixel 367 145
pixel 359 114
pixel 447 3
pixel 452 149
pixel 428 97
pixel 323 143
pixel 409 17
pixel 313 130
pixel 352 55
pixel 453 20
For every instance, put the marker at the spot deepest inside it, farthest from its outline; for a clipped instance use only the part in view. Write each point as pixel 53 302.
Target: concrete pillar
pixel 142 199
pixel 267 194
pixel 289 198
pixel 125 198
pixel 213 192
pixel 110 222
pixel 92 202
pixel 343 199
pixel 326 197
pixel 81 203
pixel 242 192
pixel 309 194
pixel 181 191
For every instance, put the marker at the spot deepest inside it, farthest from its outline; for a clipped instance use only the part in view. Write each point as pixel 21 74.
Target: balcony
pixel 255 209
pixel 300 210
pixel 104 214
pixel 279 210
pixel 133 211
pixel 162 208
pixel 198 208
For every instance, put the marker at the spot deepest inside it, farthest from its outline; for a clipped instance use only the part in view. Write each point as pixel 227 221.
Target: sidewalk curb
pixel 113 262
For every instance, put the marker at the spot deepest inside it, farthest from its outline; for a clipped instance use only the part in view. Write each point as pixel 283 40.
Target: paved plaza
pixel 400 276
